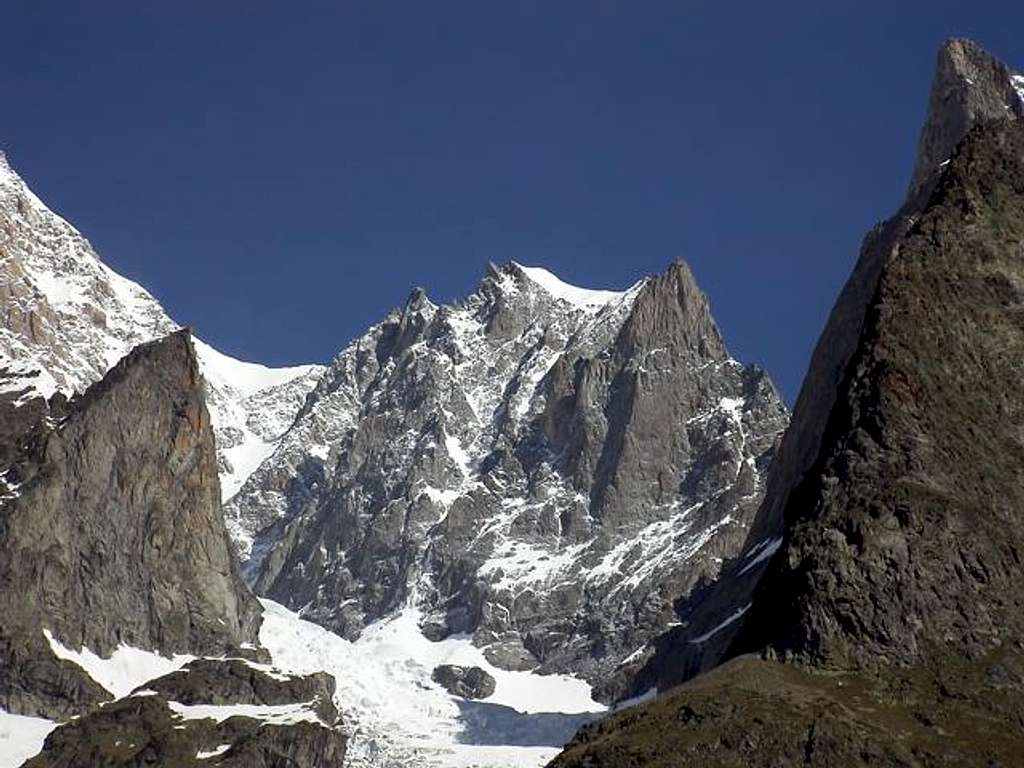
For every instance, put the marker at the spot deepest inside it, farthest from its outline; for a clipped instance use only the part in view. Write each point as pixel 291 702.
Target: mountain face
pixel 111 531
pixel 919 467
pixel 881 585
pixel 68 318
pixel 118 569
pixel 546 467
pixel 970 87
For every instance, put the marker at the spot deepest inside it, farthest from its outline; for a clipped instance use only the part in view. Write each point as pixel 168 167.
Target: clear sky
pixel 281 174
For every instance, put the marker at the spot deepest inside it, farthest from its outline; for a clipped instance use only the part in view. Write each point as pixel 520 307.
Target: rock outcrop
pixel 888 621
pixel 212 712
pixel 111 531
pixel 467 682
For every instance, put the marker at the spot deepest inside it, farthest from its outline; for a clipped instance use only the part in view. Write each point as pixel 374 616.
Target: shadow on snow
pixel 497 725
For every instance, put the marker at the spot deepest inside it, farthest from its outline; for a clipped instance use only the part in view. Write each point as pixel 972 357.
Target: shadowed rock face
pixel 905 541
pixel 883 580
pixel 969 85
pixel 111 531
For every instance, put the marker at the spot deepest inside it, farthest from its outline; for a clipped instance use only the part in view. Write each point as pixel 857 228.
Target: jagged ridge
pixel 549 473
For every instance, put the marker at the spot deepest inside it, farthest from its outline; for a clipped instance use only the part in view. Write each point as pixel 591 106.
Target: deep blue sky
pixel 280 174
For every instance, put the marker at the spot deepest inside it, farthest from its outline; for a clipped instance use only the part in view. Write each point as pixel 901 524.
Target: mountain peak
pixel 585 298
pixel 177 588
pixel 970 86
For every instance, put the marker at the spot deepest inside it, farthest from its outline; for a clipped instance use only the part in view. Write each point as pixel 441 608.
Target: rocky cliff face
pixel 111 531
pixel 118 568
pixel 546 467
pixel 68 318
pixel 890 538
pixel 913 506
pixel 969 86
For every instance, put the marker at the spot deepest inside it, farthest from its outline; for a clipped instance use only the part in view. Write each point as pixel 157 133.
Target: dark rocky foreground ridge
pixel 888 625
pixel 111 534
pixel 213 712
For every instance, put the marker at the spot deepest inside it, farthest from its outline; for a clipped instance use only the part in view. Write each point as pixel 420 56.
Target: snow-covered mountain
pixel 526 481
pixel 545 467
pixel 67 318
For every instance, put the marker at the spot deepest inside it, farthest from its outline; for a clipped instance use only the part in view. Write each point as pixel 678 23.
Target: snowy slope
pixel 21 737
pixel 400 717
pixel 583 298
pixel 394 713
pixel 68 318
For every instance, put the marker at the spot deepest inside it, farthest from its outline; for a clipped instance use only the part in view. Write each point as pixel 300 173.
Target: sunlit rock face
pixel 546 467
pixel 68 318
pixel 111 530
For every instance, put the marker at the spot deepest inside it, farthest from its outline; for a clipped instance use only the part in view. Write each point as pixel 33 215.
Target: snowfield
pixel 21 738
pixel 398 716
pixel 125 670
pixel 393 712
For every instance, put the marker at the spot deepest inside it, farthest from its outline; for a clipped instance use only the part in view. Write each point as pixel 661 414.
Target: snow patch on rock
pixel 21 737
pixel 1018 85
pixel 272 714
pixel 125 670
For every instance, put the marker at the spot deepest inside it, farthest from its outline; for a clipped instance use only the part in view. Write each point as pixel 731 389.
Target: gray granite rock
pixel 467 682
pixel 111 531
pixel 548 474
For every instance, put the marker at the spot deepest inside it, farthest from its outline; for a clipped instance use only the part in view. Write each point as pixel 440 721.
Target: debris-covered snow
pixel 21 737
pixel 125 670
pixel 400 716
